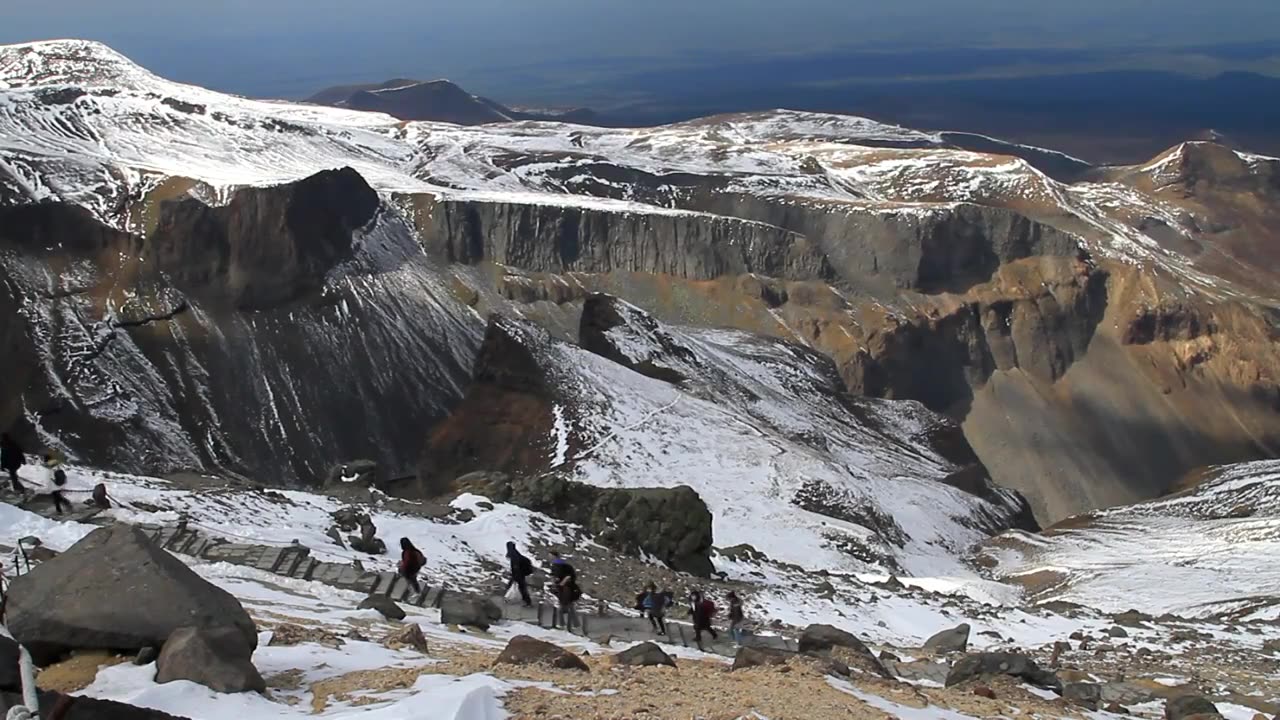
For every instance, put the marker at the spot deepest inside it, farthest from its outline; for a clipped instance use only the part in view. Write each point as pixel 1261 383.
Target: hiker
pixel 411 561
pixel 736 617
pixel 99 497
pixel 53 461
pixel 566 589
pixel 12 458
pixel 521 569
pixel 702 610
pixel 655 606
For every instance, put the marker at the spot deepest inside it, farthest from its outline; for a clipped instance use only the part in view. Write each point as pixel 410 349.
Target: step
pixel 295 560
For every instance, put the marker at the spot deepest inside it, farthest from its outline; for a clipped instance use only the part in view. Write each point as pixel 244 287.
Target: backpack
pixel 420 558
pixel 526 566
pixel 708 609
pixel 669 598
pixel 59 478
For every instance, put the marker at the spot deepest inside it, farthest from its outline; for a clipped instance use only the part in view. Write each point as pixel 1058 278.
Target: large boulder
pixel 115 590
pixel 216 657
pixel 826 638
pixel 524 650
pixel 10 679
pixel 384 605
pixel 1002 663
pixel 1085 694
pixel 462 609
pixel 948 641
pixel 671 524
pixel 84 708
pixel 749 657
pixel 1189 706
pixel 646 654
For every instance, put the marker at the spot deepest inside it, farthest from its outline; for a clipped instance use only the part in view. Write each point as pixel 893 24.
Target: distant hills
pixel 437 100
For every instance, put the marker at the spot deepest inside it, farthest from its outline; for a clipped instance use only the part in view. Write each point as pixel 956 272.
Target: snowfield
pixel 1212 548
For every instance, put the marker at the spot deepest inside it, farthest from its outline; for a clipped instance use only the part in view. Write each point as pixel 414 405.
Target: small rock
pixel 146 655
pixel 407 636
pixel 1131 618
pixel 525 650
pixel 885 655
pixel 1077 635
pixel 1187 706
pixel 1117 709
pixel 1271 646
pixel 336 537
pixel 646 654
pixel 384 605
pixel 1118 632
pixel 825 590
pixel 984 691
pixel 290 634
pixel 354 634
pixel 485 504
pixel 784 668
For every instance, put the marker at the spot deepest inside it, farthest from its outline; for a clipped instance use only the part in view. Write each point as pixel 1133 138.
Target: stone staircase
pixel 295 561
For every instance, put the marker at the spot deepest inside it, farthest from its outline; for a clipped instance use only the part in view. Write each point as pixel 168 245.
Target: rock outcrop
pixel 116 590
pixel 670 524
pixel 1000 663
pixel 948 641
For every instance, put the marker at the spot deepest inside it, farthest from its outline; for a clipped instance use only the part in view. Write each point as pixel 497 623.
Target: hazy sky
pixel 290 47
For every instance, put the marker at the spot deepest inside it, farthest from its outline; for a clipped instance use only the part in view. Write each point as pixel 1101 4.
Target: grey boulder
pixel 1188 706
pixel 646 654
pixel 996 663
pixel 1085 694
pixel 948 641
pixel 825 638
pixel 460 609
pixel 384 605
pixel 216 657
pixel 115 590
pixel 749 657
pixel 524 650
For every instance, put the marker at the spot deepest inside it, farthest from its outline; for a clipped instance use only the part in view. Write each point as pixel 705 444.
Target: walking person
pixel 565 587
pixel 702 610
pixel 521 569
pixel 411 562
pixel 736 618
pixel 12 457
pixel 53 460
pixel 655 605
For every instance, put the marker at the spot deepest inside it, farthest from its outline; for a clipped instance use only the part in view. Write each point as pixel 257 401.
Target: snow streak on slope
pixel 1212 549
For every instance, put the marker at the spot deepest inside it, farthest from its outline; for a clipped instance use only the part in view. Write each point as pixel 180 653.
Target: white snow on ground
pixel 897 710
pixel 1216 545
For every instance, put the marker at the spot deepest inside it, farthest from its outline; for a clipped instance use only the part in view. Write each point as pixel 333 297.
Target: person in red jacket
pixel 411 561
pixel 702 610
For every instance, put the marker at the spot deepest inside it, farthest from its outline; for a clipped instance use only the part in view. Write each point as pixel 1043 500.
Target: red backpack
pixel 708 608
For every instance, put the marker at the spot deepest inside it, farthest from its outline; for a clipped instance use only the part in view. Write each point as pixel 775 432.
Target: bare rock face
pixel 116 590
pixel 671 524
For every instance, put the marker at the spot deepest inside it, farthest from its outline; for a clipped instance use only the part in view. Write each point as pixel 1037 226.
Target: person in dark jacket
pixel 53 461
pixel 736 617
pixel 521 569
pixel 411 562
pixel 702 611
pixel 12 458
pixel 654 604
pixel 565 587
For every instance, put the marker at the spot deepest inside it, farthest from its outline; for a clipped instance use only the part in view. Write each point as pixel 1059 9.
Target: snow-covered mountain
pixel 181 257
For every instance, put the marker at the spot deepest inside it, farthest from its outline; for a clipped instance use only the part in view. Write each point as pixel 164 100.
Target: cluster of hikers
pixel 563 586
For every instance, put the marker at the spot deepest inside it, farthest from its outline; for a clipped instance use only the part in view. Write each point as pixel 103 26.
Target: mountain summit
pixel 434 100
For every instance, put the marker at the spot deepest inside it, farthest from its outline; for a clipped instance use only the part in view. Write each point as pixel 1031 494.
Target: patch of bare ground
pixel 77 672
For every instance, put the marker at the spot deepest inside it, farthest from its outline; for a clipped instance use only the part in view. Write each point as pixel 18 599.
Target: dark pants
pixel 411 577
pixel 699 628
pixel 59 501
pixel 658 622
pixel 13 479
pixel 521 582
